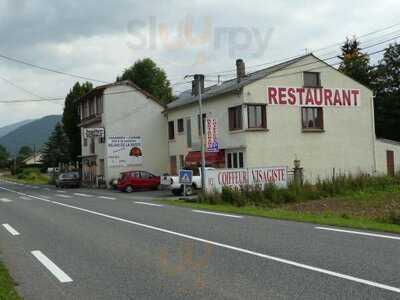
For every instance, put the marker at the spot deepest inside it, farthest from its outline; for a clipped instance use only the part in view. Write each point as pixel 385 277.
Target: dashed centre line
pixel 147 203
pixel 83 195
pixel 52 267
pixel 217 214
pixel 63 196
pixel 5 200
pixel 108 198
pixel 10 229
pixel 359 233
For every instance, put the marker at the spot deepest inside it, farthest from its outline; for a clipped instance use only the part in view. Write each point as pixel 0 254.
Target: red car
pixel 132 180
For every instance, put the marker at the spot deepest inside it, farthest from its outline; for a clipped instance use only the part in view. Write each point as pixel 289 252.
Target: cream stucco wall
pixel 382 146
pixel 346 145
pixel 128 112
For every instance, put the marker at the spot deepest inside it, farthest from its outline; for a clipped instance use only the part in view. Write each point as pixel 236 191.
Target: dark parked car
pixel 132 180
pixel 68 179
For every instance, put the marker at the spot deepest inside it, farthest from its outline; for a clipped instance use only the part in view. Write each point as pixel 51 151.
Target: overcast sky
pixel 99 38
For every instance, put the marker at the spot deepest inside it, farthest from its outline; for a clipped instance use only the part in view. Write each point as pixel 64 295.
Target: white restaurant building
pixel 302 109
pixel 130 132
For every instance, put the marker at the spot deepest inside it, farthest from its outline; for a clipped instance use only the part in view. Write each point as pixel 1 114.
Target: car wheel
pixel 189 190
pixel 129 189
pixel 177 192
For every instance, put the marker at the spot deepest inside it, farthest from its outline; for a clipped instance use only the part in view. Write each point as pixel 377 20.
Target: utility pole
pixel 200 82
pixel 198 87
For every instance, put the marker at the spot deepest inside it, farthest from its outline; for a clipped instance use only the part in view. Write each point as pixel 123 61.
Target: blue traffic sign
pixel 185 176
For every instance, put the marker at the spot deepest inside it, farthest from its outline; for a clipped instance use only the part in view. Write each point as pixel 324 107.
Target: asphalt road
pixel 94 244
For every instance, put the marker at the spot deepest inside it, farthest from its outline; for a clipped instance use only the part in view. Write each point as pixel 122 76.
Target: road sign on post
pixel 185 178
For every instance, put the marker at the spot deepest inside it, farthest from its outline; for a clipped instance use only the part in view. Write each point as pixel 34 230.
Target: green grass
pixel 282 214
pixel 7 285
pixel 38 180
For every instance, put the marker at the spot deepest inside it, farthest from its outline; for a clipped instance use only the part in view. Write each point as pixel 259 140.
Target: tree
pixel 150 78
pixel 55 151
pixel 4 156
pixel 355 63
pixel 23 153
pixel 387 94
pixel 71 118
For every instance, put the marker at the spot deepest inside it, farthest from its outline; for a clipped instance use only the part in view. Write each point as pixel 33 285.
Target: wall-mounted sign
pixel 124 151
pixel 93 132
pixel 216 179
pixel 301 96
pixel 212 141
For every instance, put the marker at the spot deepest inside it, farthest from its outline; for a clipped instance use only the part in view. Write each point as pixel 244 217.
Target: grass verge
pixel 36 180
pixel 7 285
pixel 284 214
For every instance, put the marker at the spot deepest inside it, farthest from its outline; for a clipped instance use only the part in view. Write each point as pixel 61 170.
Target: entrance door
pixel 390 162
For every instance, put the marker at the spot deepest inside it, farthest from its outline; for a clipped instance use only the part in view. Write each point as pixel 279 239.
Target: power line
pixel 49 69
pixel 295 56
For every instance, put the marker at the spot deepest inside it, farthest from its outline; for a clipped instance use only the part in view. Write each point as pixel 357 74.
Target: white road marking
pixel 61 191
pixel 5 200
pixel 63 196
pixel 83 195
pixel 225 246
pixel 44 196
pixel 47 189
pixel 10 229
pixel 147 203
pixel 108 198
pixel 52 267
pixel 359 233
pixel 217 214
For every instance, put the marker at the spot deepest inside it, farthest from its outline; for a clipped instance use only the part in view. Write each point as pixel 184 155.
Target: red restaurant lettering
pixel 294 96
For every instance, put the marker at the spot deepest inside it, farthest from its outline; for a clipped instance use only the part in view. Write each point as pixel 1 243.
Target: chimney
pixel 195 84
pixel 240 69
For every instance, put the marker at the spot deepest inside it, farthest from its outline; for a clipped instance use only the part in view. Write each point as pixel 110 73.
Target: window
pixel 312 79
pixel 235 118
pixel 189 132
pixel 235 160
pixel 312 118
pixel 99 105
pixel 92 146
pixel 173 167
pixel 84 110
pixel 171 130
pixel 204 123
pixel 85 142
pixel 257 116
pixel 91 107
pixel 101 140
pixel 181 127
pixel 181 161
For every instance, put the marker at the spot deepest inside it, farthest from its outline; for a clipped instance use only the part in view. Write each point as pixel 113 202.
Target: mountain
pixel 9 128
pixel 35 133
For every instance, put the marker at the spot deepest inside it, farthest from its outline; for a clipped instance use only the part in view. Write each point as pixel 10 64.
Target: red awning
pixel 193 158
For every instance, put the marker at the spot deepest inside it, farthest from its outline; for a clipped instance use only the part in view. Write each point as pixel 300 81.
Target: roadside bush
pixel 394 217
pixel 272 196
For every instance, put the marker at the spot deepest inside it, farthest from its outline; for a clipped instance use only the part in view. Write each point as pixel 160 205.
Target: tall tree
pixel 23 153
pixel 150 78
pixel 4 156
pixel 71 119
pixel 55 150
pixel 387 90
pixel 355 63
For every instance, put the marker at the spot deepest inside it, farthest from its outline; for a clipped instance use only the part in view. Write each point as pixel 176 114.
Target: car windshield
pixel 70 176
